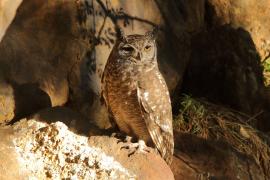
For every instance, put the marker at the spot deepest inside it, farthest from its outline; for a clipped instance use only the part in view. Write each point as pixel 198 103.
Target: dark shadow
pixel 225 68
pixel 40 46
pixel 215 159
pixel 73 120
pixel 29 99
pixel 104 10
pixel 210 14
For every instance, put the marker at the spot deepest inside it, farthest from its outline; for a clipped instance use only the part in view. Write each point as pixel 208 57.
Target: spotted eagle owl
pixel 136 94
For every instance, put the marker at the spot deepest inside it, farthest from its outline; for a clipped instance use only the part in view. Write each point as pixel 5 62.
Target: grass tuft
pixel 214 122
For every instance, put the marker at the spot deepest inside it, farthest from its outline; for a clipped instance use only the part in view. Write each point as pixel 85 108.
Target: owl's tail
pixel 167 147
pixel 164 143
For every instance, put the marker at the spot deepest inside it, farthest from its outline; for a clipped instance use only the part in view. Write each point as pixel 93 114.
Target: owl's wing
pixel 156 111
pixel 103 100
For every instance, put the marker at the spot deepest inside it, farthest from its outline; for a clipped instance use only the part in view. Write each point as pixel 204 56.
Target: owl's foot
pixel 139 147
pixel 120 137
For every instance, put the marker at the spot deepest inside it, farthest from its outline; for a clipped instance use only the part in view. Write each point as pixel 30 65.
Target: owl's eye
pixel 127 48
pixel 148 47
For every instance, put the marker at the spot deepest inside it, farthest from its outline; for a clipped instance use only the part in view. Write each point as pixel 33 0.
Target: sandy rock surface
pixel 144 165
pixel 7 103
pixel 7 13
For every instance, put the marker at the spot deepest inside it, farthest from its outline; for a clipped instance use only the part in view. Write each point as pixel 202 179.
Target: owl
pixel 136 93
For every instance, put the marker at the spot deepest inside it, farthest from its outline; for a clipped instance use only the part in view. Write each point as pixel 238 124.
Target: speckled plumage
pixel 136 94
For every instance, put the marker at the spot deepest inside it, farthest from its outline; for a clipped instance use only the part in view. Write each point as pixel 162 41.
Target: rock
pixel 51 151
pixel 204 159
pixel 9 166
pixel 7 103
pixel 35 149
pixel 42 46
pixel 249 15
pixel 180 20
pixel 29 99
pixel 20 101
pixel 137 163
pixel 225 68
pixel 147 14
pixel 33 51
pixel 76 122
pixel 145 166
pixel 7 13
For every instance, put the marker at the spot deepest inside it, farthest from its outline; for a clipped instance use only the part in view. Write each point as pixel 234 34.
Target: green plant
pixel 266 71
pixel 190 113
pixel 266 65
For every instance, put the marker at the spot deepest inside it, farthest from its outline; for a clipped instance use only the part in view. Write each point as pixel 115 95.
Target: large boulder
pixel 39 150
pixel 37 56
pixel 143 165
pixel 249 15
pixel 225 65
pixel 63 46
pixel 225 68
pixel 41 46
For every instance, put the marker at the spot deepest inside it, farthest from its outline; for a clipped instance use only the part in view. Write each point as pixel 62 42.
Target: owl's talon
pixel 119 136
pixel 128 139
pixel 114 134
pixel 120 141
pixel 139 147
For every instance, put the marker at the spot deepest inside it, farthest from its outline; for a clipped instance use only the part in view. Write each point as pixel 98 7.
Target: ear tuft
pixel 152 34
pixel 120 34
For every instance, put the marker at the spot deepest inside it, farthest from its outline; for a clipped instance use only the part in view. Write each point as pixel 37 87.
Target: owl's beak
pixel 139 56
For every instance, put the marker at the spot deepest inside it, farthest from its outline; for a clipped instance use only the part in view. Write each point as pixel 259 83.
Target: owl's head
pixel 140 48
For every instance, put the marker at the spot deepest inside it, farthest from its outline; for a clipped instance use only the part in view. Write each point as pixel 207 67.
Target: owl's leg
pixel 113 131
pixel 138 147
